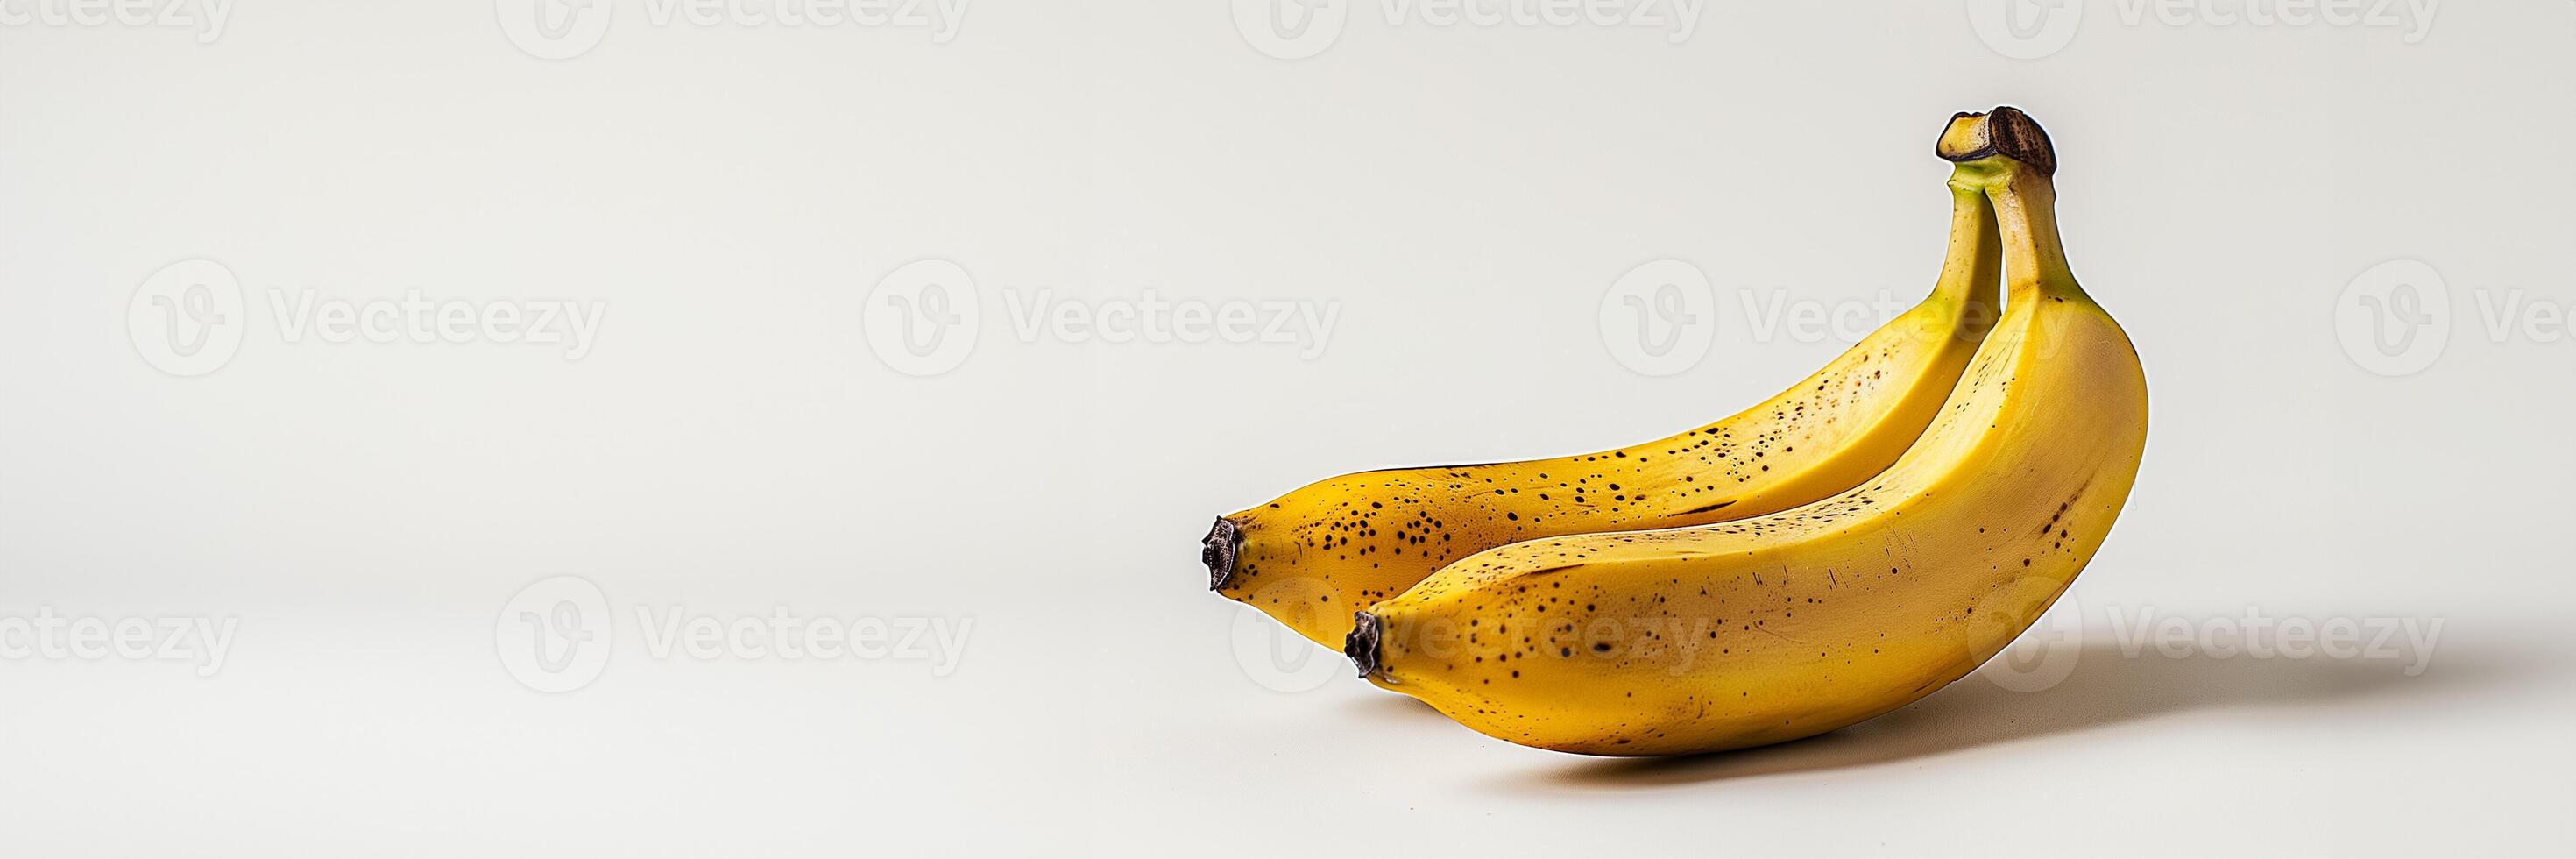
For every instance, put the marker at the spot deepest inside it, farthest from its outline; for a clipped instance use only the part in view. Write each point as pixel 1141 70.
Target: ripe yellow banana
pixel 1315 556
pixel 1778 627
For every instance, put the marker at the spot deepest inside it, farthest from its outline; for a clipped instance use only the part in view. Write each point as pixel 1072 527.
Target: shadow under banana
pixel 2106 687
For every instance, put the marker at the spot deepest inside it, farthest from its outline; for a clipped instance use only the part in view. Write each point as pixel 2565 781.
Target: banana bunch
pixel 1834 553
pixel 1315 556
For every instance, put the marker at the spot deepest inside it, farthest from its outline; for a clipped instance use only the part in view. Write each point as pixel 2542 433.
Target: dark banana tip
pixel 2006 131
pixel 1218 549
pixel 1361 645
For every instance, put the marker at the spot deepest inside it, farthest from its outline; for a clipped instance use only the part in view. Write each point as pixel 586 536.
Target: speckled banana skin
pixel 1314 556
pixel 1796 623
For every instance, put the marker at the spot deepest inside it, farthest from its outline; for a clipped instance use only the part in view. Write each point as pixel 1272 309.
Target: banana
pixel 1315 556
pixel 1783 626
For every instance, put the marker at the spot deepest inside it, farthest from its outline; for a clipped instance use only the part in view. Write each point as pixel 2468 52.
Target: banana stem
pixel 2008 157
pixel 2034 256
pixel 1974 265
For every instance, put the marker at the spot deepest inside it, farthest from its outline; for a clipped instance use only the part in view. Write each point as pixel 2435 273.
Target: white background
pixel 732 445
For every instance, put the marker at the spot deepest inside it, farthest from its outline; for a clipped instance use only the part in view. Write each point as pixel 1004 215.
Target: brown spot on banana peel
pixel 1708 509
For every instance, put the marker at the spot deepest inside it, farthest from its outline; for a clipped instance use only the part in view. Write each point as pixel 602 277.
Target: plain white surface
pixel 732 446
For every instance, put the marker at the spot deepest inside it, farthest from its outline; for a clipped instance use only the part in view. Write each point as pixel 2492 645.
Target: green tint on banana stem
pixel 1317 555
